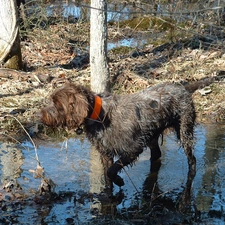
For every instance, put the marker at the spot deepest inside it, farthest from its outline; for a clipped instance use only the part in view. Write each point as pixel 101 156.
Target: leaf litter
pixel 51 61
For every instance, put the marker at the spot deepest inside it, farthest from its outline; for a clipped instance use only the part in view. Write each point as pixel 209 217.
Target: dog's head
pixel 69 107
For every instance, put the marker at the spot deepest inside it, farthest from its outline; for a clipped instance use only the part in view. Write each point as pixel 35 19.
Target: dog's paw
pixel 118 181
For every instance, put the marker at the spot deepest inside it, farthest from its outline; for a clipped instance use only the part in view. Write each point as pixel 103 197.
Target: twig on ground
pixel 47 185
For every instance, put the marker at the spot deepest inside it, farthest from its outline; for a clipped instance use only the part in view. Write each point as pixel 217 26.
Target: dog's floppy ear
pixel 50 116
pixel 59 104
pixel 77 110
pixel 78 107
pixel 72 105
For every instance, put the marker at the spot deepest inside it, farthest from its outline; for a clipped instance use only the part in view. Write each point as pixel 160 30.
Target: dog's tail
pixel 192 87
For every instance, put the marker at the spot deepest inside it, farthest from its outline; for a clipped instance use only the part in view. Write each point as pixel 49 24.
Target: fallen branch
pixel 47 185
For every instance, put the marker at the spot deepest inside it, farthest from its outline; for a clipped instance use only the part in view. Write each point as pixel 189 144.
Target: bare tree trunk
pixel 98 46
pixel 10 51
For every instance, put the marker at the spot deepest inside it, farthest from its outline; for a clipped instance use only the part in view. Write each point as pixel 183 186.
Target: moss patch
pixel 146 23
pixel 121 50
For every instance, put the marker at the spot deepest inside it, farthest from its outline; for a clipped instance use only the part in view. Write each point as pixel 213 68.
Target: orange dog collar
pixel 97 108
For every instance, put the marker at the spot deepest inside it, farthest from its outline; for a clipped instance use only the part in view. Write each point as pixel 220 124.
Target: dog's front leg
pixel 107 163
pixel 116 167
pixel 112 173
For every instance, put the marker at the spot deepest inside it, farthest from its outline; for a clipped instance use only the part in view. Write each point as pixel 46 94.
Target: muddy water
pixel 163 197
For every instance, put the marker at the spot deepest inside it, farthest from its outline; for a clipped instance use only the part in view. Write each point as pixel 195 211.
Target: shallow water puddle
pixel 127 42
pixel 74 166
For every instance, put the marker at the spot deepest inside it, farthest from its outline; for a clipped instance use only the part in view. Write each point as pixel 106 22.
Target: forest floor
pixel 59 53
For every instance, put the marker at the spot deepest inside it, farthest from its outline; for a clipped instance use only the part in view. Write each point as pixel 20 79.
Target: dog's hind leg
pixel 187 141
pixel 191 158
pixel 154 147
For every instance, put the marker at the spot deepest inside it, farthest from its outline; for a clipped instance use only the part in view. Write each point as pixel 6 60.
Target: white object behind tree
pixel 98 46
pixel 10 51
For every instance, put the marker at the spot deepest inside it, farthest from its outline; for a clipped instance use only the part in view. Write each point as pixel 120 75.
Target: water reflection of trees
pixel 11 160
pixel 211 178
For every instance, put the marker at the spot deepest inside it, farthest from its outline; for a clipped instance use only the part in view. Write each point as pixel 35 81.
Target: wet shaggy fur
pixel 127 124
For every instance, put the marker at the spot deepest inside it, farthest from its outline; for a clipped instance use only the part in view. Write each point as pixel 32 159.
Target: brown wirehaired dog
pixel 123 125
